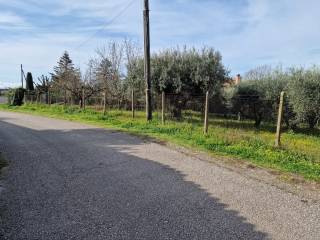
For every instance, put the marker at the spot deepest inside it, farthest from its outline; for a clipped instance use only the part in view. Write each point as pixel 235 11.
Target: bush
pixel 10 95
pixel 248 101
pixel 257 97
pixel 304 95
pixel 18 97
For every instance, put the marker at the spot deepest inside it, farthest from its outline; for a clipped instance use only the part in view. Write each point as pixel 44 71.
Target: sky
pixel 248 33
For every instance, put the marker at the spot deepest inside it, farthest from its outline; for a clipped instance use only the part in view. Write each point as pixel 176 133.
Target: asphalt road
pixel 71 181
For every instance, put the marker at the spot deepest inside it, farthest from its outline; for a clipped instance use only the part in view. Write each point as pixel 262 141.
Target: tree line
pixel 257 96
pixel 117 69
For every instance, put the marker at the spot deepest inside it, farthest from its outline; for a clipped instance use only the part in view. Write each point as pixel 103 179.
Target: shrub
pixel 257 96
pixel 249 102
pixel 18 97
pixel 304 95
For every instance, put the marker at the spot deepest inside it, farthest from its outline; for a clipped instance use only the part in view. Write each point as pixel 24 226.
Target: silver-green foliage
pixel 260 90
pixel 304 94
pixel 186 71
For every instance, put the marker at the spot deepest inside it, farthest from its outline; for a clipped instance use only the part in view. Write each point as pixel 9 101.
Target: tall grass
pixel 299 154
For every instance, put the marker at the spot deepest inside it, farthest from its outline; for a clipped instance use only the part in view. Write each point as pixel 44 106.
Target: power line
pixel 106 25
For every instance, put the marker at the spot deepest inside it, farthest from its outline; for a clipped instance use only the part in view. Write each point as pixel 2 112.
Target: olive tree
pixel 189 71
pixel 257 96
pixel 304 95
pixel 186 72
pixel 249 101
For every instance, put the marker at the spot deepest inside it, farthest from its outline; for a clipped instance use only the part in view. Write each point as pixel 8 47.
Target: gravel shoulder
pixel 72 181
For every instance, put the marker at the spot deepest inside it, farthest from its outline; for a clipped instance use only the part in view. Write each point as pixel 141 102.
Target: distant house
pixel 3 91
pixel 3 99
pixel 233 81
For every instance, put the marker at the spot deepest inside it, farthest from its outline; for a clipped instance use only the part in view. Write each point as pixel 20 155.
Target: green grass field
pixel 299 154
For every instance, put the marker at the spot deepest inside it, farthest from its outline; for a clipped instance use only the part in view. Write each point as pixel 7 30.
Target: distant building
pixel 3 99
pixel 237 79
pixel 233 81
pixel 3 91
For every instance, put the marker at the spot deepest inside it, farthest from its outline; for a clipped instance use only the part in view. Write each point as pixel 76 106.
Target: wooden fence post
pixel 65 97
pixel 132 103
pixel 49 97
pixel 206 116
pixel 83 99
pixel 280 114
pixel 104 102
pixel 163 105
pixel 25 98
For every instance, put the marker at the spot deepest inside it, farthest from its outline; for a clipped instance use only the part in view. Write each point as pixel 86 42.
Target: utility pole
pixel 147 70
pixel 21 71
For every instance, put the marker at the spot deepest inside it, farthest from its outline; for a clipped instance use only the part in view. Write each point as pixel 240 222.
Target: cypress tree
pixel 29 82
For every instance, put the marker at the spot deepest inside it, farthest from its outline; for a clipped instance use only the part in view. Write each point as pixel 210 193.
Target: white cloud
pixel 282 31
pixel 10 18
pixel 11 21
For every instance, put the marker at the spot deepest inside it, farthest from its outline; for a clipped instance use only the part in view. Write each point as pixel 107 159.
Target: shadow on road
pixel 83 184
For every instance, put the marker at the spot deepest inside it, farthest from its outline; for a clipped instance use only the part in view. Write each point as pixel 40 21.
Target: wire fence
pixel 182 107
pixel 179 107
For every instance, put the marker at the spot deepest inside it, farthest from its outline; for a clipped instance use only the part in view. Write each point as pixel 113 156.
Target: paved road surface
pixel 72 181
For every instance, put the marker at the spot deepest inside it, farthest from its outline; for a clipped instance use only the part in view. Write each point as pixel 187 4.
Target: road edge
pixel 307 190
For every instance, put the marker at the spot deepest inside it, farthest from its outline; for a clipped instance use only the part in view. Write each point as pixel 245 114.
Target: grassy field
pixel 299 154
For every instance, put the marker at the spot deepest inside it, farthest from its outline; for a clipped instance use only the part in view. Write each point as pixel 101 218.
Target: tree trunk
pixel 132 103
pixel 258 120
pixel 49 97
pixel 312 121
pixel 65 97
pixel 104 103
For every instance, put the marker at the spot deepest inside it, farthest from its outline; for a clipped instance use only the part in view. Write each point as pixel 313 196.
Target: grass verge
pixel 300 153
